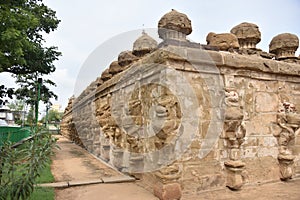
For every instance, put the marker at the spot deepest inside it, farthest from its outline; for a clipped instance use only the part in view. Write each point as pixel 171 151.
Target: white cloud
pixel 7 80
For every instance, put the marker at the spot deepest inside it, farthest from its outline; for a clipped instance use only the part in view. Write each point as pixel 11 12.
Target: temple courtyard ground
pixel 75 170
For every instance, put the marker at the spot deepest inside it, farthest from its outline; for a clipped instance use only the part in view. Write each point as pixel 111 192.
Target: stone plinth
pixel 234 174
pixel 286 166
pixel 171 191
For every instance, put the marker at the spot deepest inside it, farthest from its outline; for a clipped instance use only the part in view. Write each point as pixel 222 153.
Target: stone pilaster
pixel 289 121
pixel 234 133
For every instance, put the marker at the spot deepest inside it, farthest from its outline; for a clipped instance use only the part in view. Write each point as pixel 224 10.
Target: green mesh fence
pixel 13 134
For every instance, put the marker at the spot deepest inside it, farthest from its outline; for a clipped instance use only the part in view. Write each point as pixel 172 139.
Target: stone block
pixel 200 168
pixel 264 86
pixel 269 141
pixel 267 151
pixel 245 62
pixel 286 169
pixel 251 141
pixel 234 179
pixel 260 124
pixel 266 102
pixel 249 152
pixel 54 185
pixel 262 169
pixel 171 191
pixel 216 57
pixel 223 154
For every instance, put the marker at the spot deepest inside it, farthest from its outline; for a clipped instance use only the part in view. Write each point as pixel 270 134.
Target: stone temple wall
pixel 185 117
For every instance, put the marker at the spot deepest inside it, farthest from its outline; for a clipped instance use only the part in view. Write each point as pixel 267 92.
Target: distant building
pixel 6 115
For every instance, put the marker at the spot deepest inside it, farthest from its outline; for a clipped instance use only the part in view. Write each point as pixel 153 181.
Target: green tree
pixel 23 23
pixel 28 88
pixel 30 117
pixel 54 116
pixel 17 107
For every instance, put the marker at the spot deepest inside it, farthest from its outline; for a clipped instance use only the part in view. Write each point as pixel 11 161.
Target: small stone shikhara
pixel 254 135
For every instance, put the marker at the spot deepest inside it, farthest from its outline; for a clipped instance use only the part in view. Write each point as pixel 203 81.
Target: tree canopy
pixel 22 51
pixel 53 116
pixel 27 90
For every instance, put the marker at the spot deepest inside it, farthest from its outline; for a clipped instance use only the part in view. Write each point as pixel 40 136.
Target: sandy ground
pixel 274 191
pixel 119 191
pixel 72 162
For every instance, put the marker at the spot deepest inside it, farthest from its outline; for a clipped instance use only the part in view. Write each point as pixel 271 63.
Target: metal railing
pixel 13 134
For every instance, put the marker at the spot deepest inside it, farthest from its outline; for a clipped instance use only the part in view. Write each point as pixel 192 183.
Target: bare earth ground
pixel 72 162
pixel 274 191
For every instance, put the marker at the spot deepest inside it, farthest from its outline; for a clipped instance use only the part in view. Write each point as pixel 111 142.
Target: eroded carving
pixel 234 133
pixel 174 25
pixel 289 121
pixel 225 41
pixel 284 45
pixel 248 35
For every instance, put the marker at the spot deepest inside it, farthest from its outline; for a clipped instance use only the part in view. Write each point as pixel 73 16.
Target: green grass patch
pixel 42 193
pixel 46 175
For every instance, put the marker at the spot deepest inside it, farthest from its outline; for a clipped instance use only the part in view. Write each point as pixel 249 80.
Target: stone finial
pixel 92 86
pixel 106 75
pixel 284 45
pixel 99 81
pixel 248 35
pixel 126 57
pixel 224 41
pixel 143 45
pixel 114 68
pixel 174 25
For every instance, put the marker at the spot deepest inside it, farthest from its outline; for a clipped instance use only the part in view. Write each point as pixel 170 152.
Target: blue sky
pixel 85 25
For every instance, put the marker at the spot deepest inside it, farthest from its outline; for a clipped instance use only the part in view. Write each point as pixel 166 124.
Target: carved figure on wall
pixel 234 133
pixel 289 121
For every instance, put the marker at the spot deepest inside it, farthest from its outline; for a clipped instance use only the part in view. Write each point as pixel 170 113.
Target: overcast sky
pixel 86 25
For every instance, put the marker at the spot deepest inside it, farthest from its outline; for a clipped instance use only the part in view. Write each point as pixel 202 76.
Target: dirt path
pixel 119 191
pixel 71 162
